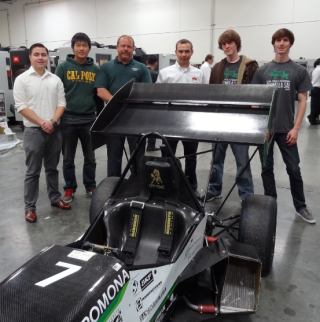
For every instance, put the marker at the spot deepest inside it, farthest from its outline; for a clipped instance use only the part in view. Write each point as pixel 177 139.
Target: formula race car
pixel 151 245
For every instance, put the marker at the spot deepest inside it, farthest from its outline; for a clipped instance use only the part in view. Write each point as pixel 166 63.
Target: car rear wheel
pixel 101 195
pixel 257 226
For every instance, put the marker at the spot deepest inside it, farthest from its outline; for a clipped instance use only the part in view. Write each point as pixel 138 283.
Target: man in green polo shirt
pixel 113 75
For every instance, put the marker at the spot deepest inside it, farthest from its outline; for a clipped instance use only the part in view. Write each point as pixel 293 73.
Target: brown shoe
pixel 61 204
pixel 31 216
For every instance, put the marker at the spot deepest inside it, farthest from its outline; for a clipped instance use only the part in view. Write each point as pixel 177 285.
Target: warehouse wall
pixel 257 20
pixel 156 25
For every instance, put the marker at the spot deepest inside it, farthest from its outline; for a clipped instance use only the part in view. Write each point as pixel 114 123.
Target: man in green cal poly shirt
pixel 113 75
pixel 78 74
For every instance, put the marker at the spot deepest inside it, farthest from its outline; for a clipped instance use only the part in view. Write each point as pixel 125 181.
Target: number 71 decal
pixel 71 269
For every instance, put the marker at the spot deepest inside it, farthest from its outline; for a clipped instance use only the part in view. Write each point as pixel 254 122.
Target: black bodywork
pixel 231 270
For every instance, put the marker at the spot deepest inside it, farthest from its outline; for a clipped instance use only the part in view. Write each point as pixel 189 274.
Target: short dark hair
pixel 230 35
pixel 283 32
pixel 316 63
pixel 152 59
pixel 38 45
pixel 80 36
pixel 184 41
pixel 118 41
pixel 208 57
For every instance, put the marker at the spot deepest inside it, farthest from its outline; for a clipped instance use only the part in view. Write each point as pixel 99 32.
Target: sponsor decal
pixel 116 266
pixel 165 309
pixel 135 287
pixel 163 305
pixel 146 281
pixel 160 315
pixel 152 290
pixel 156 180
pixel 139 304
pixel 134 226
pixel 192 249
pixel 152 305
pixel 108 300
pixel 139 301
pixel 117 317
pixel 81 255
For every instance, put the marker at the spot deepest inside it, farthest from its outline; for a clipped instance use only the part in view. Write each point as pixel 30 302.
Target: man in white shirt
pixel 205 67
pixel 183 72
pixel 39 97
pixel 315 95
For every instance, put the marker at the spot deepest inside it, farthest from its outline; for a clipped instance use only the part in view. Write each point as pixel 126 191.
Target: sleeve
pixel 304 84
pixel 211 75
pixel 19 94
pixel 207 73
pixel 61 95
pixel 203 78
pixel 145 77
pixel 256 79
pixel 59 72
pixel 159 79
pixel 251 71
pixel 102 79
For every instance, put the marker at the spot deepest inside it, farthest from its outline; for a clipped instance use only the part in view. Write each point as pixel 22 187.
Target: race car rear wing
pixel 191 112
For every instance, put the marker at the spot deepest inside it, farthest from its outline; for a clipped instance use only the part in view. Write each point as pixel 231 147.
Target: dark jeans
pixel 290 156
pixel 315 105
pixel 41 147
pixel 70 136
pixel 115 151
pixel 190 162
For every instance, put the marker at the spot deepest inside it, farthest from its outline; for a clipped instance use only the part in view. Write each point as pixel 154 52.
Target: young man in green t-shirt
pixel 78 75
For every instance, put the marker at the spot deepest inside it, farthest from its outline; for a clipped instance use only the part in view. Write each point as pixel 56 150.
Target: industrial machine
pixel 164 60
pixel 6 85
pixel 151 245
pixel 99 55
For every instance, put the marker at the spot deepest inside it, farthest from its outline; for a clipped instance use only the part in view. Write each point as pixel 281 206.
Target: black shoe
pixel 150 149
pixel 313 122
pixel 210 197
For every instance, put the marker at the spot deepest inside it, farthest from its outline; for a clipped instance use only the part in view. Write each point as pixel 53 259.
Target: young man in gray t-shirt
pixel 289 77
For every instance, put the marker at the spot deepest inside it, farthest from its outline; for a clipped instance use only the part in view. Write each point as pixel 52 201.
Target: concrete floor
pixel 289 293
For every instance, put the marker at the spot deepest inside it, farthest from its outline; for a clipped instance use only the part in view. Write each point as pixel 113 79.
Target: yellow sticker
pixel 168 223
pixel 134 226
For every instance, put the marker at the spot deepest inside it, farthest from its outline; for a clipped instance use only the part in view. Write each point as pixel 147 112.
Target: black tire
pixel 101 195
pixel 257 226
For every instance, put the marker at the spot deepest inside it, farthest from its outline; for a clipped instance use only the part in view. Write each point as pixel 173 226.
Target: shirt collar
pixel 32 71
pixel 117 61
pixel 180 68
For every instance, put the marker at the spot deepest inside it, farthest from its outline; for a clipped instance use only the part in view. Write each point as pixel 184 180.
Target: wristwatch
pixel 55 124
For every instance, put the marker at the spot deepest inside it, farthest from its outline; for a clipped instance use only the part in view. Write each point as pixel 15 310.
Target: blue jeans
pixel 241 154
pixel 70 136
pixel 290 156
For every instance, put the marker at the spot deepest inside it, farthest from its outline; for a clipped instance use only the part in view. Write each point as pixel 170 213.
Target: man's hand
pixel 47 127
pixel 292 137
